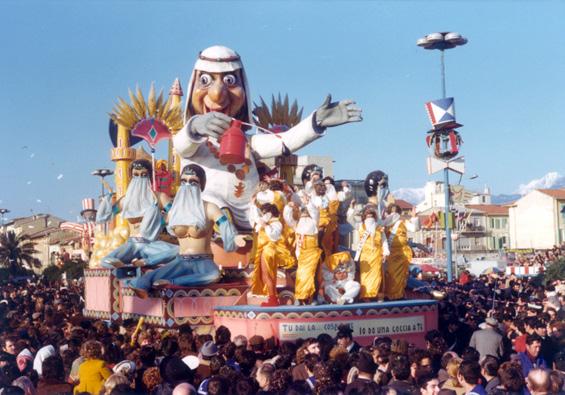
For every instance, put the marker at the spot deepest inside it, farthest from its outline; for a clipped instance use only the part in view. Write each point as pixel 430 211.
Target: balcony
pixel 472 229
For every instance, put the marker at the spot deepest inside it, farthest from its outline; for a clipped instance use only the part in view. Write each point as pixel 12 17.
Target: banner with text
pixel 369 327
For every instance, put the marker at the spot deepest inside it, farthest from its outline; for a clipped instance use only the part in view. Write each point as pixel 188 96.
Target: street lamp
pixel 2 212
pixel 102 173
pixel 442 41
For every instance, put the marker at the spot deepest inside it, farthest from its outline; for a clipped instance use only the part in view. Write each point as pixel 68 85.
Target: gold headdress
pixel 156 108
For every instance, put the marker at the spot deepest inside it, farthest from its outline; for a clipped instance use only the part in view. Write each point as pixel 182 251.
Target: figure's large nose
pixel 217 91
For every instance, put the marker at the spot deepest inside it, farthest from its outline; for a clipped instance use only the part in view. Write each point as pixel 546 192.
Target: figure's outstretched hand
pixel 337 113
pixel 212 124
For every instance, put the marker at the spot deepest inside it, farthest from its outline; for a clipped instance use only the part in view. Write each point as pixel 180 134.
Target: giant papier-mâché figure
pixel 218 92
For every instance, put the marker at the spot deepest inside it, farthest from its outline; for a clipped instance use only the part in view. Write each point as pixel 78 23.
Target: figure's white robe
pixel 221 184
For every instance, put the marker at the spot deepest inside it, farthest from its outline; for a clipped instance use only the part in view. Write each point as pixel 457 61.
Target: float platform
pixel 228 303
pixel 406 319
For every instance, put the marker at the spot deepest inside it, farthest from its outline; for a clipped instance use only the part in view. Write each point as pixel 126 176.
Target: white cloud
pixel 411 195
pixel 551 180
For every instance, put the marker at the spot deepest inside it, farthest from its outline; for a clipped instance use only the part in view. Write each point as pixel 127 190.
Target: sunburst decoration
pixel 156 109
pixel 280 117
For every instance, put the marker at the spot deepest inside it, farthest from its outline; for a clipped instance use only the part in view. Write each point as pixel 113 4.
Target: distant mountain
pixel 411 195
pixel 552 180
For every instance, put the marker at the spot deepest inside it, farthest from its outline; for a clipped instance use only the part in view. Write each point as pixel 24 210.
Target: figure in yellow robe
pixel 371 252
pixel 307 250
pixel 271 192
pixel 324 198
pixel 396 275
pixel 271 253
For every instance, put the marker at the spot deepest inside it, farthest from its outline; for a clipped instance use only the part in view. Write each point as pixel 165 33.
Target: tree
pixel 555 271
pixel 73 268
pixel 16 253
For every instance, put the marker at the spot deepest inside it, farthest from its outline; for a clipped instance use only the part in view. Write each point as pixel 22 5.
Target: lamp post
pixel 102 173
pixel 442 41
pixel 2 212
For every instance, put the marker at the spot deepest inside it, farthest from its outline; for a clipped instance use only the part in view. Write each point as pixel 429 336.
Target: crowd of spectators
pixel 541 258
pixel 496 335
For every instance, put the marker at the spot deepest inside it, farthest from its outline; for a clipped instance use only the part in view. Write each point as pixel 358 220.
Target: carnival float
pixel 218 233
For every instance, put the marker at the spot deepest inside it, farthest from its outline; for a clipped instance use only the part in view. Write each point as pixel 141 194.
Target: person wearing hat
pixel 339 284
pixel 488 341
pixel 344 338
pixel 367 369
pixel 218 92
pixel 372 250
pixel 207 351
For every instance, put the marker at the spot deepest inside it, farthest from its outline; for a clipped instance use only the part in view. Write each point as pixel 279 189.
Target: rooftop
pixel 554 193
pixel 489 209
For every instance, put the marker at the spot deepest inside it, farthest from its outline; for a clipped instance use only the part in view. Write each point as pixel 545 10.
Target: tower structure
pixel 176 95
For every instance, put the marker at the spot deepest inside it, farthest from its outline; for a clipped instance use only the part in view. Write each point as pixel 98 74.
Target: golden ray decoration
pixel 280 113
pixel 129 115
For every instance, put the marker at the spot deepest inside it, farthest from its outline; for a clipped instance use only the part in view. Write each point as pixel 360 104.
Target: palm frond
pixel 280 114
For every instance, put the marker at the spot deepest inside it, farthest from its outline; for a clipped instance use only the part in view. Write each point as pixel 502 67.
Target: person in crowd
pixel 469 376
pixel 53 378
pixel 511 380
pixel 345 339
pixel 452 383
pixel 538 382
pixel 489 370
pixel 400 372
pixel 93 372
pixel 531 358
pixel 428 384
pixel 367 368
pixel 488 341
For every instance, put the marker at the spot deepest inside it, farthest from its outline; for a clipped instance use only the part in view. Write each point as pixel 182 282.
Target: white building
pixel 434 196
pixel 536 220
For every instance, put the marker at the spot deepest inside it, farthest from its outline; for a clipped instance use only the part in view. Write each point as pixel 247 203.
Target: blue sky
pixel 65 62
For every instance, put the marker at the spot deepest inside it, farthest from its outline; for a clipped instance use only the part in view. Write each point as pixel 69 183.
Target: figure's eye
pixel 230 79
pixel 205 79
pixel 183 181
